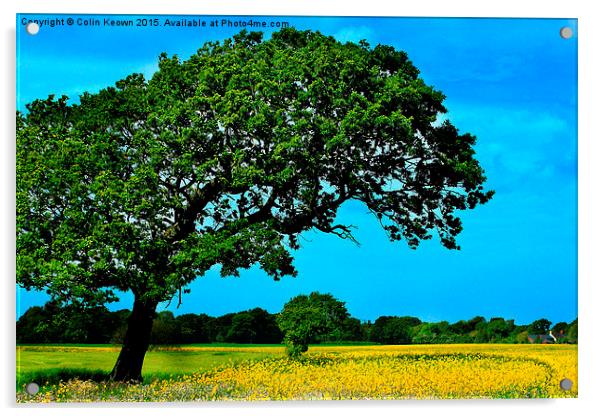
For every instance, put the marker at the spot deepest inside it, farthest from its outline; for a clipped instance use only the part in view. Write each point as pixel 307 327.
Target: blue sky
pixel 511 82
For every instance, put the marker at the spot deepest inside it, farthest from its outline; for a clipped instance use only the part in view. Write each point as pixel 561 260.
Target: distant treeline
pixel 57 324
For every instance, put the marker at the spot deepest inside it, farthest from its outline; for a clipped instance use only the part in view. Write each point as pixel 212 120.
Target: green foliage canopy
pixel 54 323
pixel 540 326
pixel 393 329
pixel 305 317
pixel 225 158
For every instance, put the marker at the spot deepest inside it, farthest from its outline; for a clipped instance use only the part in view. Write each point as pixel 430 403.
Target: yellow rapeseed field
pixel 371 372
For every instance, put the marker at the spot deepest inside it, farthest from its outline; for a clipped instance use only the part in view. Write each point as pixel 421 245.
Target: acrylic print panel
pixel 295 208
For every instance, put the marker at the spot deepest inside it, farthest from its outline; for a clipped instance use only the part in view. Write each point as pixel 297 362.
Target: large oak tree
pixel 224 159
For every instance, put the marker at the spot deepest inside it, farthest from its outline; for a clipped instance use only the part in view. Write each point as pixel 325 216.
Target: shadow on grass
pixel 56 375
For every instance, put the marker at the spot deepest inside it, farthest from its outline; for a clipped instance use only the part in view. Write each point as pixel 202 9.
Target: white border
pixel 590 203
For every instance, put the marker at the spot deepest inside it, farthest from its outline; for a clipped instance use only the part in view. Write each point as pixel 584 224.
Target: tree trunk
pixel 135 344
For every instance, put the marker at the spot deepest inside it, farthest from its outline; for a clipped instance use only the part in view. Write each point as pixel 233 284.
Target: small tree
pixel 572 332
pixel 540 326
pixel 190 329
pixel 243 329
pixel 165 329
pixel 303 318
pixel 265 326
pixel 522 337
pixel 560 328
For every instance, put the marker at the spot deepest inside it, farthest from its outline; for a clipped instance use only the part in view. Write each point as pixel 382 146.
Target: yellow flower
pixel 370 372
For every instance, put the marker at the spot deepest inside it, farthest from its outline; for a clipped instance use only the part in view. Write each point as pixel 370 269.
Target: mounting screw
pixel 566 384
pixel 32 28
pixel 32 388
pixel 566 32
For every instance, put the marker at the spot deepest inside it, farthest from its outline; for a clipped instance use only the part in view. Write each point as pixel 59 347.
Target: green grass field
pixel 51 363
